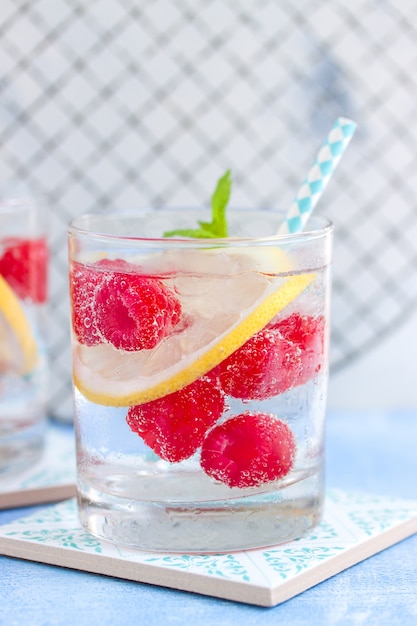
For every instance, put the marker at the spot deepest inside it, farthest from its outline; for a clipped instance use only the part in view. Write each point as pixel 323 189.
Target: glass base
pixel 243 523
pixel 20 446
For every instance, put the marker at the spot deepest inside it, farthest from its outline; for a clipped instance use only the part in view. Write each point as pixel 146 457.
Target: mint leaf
pixel 217 228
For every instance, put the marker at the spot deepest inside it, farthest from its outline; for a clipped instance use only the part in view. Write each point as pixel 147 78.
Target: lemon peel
pixel 18 351
pixel 116 386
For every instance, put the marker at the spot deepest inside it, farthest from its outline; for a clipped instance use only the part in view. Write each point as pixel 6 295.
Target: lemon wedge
pixel 111 377
pixel 18 352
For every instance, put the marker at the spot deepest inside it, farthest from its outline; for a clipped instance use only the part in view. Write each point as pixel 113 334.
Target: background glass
pixel 23 358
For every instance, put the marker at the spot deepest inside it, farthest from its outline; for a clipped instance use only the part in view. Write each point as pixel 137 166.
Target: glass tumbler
pixel 200 371
pixel 23 354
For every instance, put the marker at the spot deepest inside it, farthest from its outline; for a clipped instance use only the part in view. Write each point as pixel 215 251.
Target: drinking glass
pixel 23 354
pixel 200 371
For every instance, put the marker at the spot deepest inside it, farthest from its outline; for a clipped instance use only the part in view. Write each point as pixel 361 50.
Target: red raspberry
pixel 135 312
pixel 174 426
pixel 248 450
pixel 84 282
pixel 24 265
pixel 282 355
pixel 266 365
pixel 307 333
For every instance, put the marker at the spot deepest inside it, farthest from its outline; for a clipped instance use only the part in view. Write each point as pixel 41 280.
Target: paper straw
pixel 318 176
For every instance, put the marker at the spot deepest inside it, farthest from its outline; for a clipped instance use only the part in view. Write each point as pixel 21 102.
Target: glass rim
pixel 322 226
pixel 12 205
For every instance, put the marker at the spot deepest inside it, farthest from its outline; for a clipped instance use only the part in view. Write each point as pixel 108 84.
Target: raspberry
pixel 248 450
pixel 135 312
pixel 307 333
pixel 24 265
pixel 84 282
pixel 266 365
pixel 174 426
pixel 281 356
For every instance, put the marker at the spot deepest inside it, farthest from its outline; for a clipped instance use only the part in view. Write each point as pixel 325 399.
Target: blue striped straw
pixel 318 176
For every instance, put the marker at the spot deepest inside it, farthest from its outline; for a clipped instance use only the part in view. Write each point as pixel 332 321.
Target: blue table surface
pixel 367 451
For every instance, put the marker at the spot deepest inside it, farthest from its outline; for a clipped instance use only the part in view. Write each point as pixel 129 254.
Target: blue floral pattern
pixel 289 562
pixel 61 537
pixel 222 566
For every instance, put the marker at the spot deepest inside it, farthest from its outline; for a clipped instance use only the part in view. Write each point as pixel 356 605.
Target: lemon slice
pixel 18 352
pixel 110 377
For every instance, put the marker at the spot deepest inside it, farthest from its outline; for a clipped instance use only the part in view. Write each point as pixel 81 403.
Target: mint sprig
pixel 217 228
